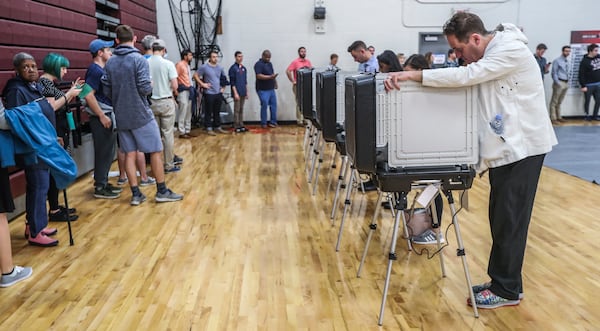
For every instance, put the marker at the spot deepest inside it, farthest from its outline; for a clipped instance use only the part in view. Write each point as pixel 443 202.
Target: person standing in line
pixel 102 124
pixel 186 92
pixel 128 84
pixel 367 62
pixel 515 136
pixel 541 60
pixel 238 79
pixel 164 86
pixel 266 84
pixel 55 68
pixel 10 273
pixel 212 78
pixel 589 80
pixel 300 62
pixel 333 60
pixel 371 50
pixel 560 84
pixel 140 162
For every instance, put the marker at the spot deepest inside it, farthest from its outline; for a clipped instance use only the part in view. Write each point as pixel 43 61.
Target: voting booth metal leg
pixel 320 161
pixel 372 228
pixel 346 208
pixel 307 135
pixel 316 148
pixel 340 185
pixel 460 251
pixel 331 171
pixel 436 225
pixel 400 206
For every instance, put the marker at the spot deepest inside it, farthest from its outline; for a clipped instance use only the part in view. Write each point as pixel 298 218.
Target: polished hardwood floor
pixel 250 248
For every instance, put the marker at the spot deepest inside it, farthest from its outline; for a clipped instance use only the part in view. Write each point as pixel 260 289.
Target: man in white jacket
pixel 515 134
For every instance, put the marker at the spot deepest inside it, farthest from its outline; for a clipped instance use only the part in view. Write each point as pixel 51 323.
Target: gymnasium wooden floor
pixel 249 248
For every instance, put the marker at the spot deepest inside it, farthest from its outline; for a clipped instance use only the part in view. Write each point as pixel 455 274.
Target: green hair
pixel 53 62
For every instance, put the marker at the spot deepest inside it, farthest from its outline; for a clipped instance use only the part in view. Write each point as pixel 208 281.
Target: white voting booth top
pixel 425 126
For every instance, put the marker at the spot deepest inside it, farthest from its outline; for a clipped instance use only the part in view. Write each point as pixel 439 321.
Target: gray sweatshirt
pixel 128 84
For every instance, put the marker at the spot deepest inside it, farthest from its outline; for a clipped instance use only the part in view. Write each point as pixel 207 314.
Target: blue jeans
pixel 267 98
pixel 38 181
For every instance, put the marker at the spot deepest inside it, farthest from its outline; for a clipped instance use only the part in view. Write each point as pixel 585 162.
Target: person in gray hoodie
pixel 128 85
pixel 515 134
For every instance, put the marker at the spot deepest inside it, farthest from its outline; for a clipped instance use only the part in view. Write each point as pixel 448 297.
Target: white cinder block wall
pixel 283 25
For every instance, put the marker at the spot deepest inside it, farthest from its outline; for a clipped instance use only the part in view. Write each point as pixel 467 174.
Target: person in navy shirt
pixel 239 90
pixel 266 83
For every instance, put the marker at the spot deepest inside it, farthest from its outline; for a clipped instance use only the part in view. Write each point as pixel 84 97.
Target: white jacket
pixel 508 83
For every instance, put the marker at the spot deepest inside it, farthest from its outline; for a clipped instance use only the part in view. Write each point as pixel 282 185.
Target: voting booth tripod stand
pixel 446 183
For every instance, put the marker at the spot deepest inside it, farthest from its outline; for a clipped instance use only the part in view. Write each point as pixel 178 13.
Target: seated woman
pixel 20 91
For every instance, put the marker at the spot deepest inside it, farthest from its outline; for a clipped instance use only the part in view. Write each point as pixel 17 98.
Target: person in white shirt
pixel 560 85
pixel 515 134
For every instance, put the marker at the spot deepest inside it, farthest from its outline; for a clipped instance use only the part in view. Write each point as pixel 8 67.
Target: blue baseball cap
pixel 98 44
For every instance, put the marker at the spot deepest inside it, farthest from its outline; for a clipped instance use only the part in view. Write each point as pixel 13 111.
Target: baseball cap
pixel 98 44
pixel 159 43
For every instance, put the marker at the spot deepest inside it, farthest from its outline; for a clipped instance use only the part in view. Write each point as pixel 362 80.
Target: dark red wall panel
pixel 138 23
pixel 26 34
pixel 139 11
pixel 39 13
pixel 150 4
pixel 87 7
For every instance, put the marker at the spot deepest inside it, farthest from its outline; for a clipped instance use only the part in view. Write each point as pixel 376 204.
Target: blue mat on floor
pixel 577 152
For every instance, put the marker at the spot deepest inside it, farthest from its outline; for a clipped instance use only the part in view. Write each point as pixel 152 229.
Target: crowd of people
pixel 137 103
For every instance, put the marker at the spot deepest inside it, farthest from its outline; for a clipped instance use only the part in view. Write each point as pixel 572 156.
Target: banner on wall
pixel 579 43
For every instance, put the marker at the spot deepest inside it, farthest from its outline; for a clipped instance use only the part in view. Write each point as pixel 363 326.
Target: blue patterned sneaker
pixel 18 274
pixel 147 182
pixel 168 196
pixel 121 181
pixel 486 299
pixel 136 200
pixel 485 286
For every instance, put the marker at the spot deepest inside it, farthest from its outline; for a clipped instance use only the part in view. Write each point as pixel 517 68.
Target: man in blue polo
pixel 238 78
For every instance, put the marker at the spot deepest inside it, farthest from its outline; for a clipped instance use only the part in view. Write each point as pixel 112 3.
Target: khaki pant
pixel 558 95
pixel 238 112
pixel 164 113
pixel 184 114
pixel 299 115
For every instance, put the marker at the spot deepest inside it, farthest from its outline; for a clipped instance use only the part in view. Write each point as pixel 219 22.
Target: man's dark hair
pixel 565 47
pixel 301 48
pixel 333 56
pixel 450 51
pixel 541 46
pixel 124 33
pixel 357 45
pixel 462 25
pixel 211 53
pixel 237 53
pixel 591 47
pixel 185 52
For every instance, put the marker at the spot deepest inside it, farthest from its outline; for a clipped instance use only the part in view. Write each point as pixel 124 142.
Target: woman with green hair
pixel 55 67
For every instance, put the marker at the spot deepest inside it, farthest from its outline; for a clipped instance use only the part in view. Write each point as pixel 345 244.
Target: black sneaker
pixel 114 189
pixel 105 193
pixel 239 130
pixel 71 210
pixel 61 216
pixel 177 160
